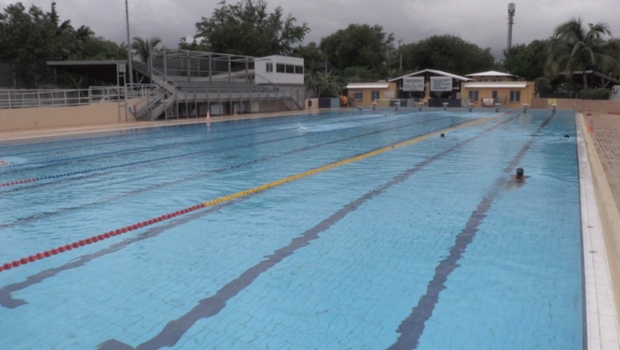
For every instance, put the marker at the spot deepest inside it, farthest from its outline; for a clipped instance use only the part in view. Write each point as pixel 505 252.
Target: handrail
pixel 28 98
pixel 269 82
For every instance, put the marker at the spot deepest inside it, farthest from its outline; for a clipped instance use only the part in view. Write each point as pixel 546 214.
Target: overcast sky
pixel 482 22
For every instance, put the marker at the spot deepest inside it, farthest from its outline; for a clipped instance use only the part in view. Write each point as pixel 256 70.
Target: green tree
pixel 245 28
pixel 573 48
pixel 448 53
pixel 314 58
pixel 359 45
pixel 30 38
pixel 325 85
pixel 542 85
pixel 527 61
pixel 142 47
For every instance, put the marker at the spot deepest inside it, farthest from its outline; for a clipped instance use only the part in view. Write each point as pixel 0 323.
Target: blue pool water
pixel 424 245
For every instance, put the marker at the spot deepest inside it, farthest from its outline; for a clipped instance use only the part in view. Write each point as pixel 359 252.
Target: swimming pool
pixel 354 230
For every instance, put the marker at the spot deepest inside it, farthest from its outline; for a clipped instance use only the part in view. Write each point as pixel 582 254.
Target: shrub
pixel 595 94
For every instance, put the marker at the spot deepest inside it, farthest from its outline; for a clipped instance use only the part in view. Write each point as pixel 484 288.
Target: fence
pixel 14 98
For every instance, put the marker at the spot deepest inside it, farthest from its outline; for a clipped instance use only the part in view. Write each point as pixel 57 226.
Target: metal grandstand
pixel 182 84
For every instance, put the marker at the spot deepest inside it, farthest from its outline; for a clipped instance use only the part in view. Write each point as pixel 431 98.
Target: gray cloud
pixel 482 22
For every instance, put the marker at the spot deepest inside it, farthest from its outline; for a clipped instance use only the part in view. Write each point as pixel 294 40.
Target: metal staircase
pixel 159 102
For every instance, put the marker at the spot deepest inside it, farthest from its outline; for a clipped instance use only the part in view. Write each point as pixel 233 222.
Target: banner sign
pixel 413 84
pixel 441 84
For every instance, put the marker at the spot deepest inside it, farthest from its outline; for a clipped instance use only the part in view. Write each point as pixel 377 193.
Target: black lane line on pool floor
pixel 212 305
pixel 21 167
pixel 412 327
pixel 6 299
pixel 198 175
pixel 149 132
pixel 123 141
pixel 146 161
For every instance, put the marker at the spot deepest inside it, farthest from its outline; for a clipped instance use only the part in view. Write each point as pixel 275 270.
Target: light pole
pixel 129 56
pixel 511 16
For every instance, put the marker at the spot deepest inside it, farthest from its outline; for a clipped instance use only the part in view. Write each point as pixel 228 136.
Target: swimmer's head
pixel 519 173
pixel 442 135
pixel 566 136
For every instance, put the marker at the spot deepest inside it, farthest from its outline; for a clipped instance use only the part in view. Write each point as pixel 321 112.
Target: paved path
pixel 606 137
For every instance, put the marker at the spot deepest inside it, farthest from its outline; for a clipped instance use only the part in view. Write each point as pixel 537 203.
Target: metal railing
pixel 14 98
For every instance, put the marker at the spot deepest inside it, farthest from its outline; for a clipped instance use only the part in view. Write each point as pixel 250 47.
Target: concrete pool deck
pixel 601 136
pixel 601 143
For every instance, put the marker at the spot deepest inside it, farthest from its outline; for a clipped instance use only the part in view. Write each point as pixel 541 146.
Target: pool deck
pixel 68 131
pixel 600 141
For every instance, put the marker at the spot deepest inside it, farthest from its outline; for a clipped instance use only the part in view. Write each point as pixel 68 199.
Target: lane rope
pixel 48 253
pixel 149 148
pixel 86 171
pixel 194 176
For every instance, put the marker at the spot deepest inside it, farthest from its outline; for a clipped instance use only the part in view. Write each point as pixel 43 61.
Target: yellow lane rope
pixel 341 163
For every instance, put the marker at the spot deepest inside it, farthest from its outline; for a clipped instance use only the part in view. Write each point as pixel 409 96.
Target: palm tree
pixel 142 47
pixel 329 85
pixel 573 48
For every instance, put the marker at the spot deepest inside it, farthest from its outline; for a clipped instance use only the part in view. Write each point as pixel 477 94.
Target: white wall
pixel 275 77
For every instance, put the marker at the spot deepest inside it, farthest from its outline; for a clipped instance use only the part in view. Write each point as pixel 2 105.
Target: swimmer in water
pixel 517 180
pixel 3 163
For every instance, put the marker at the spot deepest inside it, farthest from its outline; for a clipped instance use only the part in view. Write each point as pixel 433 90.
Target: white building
pixel 279 70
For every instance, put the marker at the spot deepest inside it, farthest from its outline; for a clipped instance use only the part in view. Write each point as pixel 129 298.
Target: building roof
pixel 496 84
pixel 432 71
pixel 104 70
pixel 376 85
pixel 491 73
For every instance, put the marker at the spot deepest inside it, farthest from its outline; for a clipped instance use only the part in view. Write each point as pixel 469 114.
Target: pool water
pixel 353 230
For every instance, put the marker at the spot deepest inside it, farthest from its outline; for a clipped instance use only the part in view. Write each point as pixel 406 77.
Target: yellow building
pixel 364 94
pixel 489 88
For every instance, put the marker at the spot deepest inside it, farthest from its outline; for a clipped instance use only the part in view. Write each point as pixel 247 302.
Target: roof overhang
pixel 433 72
pixel 368 85
pixel 490 73
pixel 104 70
pixel 496 85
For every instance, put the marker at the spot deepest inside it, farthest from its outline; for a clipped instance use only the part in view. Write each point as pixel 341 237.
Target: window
pixel 358 95
pixel 473 95
pixel 269 67
pixel 515 96
pixel 299 69
pixel 495 97
pixel 374 95
pixel 280 68
pixel 290 69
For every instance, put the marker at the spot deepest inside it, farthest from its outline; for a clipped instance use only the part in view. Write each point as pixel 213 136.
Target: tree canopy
pixel 360 52
pixel 30 38
pixel 573 48
pixel 527 61
pixel 448 53
pixel 359 45
pixel 246 28
pixel 142 47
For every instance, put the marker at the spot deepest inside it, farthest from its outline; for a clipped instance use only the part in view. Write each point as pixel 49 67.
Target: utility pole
pixel 400 53
pixel 511 15
pixel 129 55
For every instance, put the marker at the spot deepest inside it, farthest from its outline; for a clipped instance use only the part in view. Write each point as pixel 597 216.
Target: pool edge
pixel 600 308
